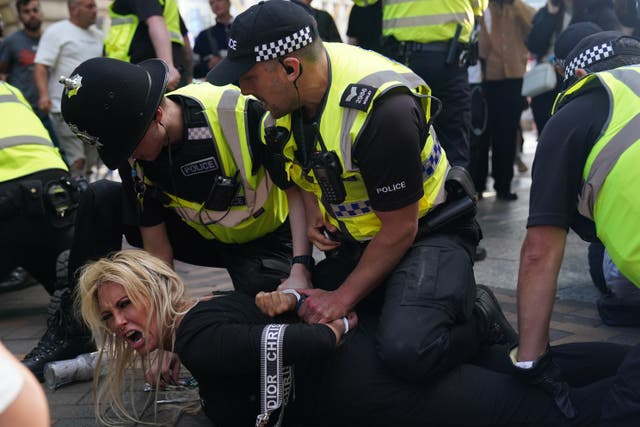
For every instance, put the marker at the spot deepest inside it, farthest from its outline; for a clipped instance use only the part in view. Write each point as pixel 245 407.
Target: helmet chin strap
pixel 166 134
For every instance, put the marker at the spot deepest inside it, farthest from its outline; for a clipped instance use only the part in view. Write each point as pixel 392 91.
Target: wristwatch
pixel 306 260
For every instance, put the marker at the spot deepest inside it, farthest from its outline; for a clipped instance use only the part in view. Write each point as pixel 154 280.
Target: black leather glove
pixel 546 375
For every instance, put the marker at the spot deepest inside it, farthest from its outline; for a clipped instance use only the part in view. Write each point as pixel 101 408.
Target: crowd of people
pixel 296 140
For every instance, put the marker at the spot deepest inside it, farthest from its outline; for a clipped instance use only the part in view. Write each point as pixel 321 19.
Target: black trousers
pixel 425 304
pixel 481 392
pixel 621 406
pixel 101 223
pixel 450 84
pixel 504 103
pixel 32 234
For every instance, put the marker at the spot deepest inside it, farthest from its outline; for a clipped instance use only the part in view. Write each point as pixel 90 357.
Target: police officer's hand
pixel 44 104
pixel 174 78
pixel 322 306
pixel 319 233
pixel 546 375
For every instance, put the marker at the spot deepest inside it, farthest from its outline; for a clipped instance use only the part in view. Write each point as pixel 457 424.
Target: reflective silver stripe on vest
pixel 255 199
pixel 629 78
pixel 349 114
pixel 229 125
pixel 604 162
pixel 175 36
pixel 122 21
pixel 416 21
pixel 11 141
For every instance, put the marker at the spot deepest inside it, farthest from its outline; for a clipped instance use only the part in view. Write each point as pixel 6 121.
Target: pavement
pixel 23 313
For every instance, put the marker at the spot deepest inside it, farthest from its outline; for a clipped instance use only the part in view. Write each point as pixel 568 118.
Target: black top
pixel 209 43
pixel 219 342
pixel 189 170
pixel 365 25
pixel 562 152
pixel 141 46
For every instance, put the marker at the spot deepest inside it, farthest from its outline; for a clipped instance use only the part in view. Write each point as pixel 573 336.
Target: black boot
pixel 19 278
pixel 494 327
pixel 66 337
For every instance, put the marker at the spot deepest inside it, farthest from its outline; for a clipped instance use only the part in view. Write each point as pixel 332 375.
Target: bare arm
pixel 188 59
pixel 155 240
pixel 540 259
pixel 41 78
pixel 299 277
pixel 30 408
pixel 383 253
pixel 159 35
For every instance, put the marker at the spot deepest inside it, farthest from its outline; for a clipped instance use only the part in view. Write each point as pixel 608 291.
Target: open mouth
pixel 134 337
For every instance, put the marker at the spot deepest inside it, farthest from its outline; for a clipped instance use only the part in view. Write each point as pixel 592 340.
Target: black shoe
pixel 17 279
pixel 481 253
pixel 509 197
pixel 65 337
pixel 496 328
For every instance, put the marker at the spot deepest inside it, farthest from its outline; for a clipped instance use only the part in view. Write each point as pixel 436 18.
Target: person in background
pixel 17 55
pixel 504 59
pixel 211 44
pixel 438 41
pixel 62 47
pixel 326 25
pixel 365 26
pixel 22 400
pixel 145 29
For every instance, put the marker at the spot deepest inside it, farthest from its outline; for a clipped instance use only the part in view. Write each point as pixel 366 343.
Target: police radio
pixel 328 170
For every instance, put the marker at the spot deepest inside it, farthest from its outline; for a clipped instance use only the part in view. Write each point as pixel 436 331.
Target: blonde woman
pixel 134 304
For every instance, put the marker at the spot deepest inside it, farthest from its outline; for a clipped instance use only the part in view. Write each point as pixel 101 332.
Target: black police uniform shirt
pixel 168 173
pixel 562 152
pixel 141 46
pixel 388 151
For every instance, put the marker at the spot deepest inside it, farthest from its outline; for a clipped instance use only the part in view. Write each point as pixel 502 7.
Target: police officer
pixel 193 185
pixel 145 29
pixel 350 128
pixel 434 39
pixel 37 208
pixel 597 159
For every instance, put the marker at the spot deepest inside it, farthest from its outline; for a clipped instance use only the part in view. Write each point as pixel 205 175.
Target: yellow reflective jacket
pixel 123 27
pixel 265 206
pixel 340 128
pixel 25 145
pixel 611 174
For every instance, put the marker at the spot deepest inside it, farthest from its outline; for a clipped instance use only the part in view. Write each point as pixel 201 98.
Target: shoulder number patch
pixel 357 96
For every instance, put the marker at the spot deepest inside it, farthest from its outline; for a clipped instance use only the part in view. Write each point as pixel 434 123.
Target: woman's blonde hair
pixel 149 282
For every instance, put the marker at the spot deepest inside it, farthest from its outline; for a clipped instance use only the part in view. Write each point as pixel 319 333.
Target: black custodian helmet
pixel 110 104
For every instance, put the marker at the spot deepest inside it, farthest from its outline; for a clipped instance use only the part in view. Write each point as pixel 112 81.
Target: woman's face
pixel 126 320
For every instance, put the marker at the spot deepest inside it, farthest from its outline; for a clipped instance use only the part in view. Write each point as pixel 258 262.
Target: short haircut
pixel 20 3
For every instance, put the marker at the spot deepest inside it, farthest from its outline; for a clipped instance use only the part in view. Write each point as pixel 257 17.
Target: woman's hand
pixel 168 368
pixel 275 303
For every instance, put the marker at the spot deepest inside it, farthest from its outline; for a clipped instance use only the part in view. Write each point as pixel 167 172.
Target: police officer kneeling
pixel 38 202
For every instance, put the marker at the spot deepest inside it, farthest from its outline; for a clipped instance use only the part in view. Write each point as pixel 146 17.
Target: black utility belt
pixel 426 47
